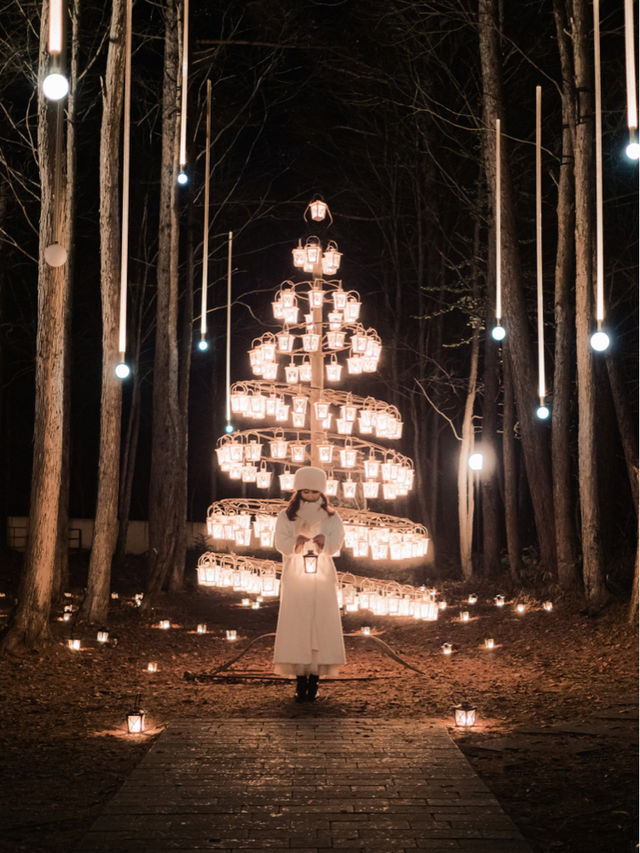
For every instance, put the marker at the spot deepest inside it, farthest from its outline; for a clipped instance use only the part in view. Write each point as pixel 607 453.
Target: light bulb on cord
pixel 542 412
pixel 600 341
pixel 203 345
pixel 55 86
pixel 122 370
pixel 633 150
pixel 498 332
pixel 229 428
pixel 183 178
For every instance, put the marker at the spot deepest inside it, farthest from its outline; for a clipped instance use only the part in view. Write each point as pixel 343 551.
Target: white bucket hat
pixel 310 478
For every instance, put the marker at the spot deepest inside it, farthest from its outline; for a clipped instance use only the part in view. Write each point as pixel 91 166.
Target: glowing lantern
pixel 299 255
pixel 489 643
pixel 232 635
pixel 442 605
pixel 246 602
pixel 311 342
pixel 299 404
pixel 297 453
pixel 103 635
pixel 520 608
pixel 318 210
pixel 389 491
pixel 310 563
pixel 354 365
pixel 66 617
pixel 263 477
pixel 344 427
pixel 370 489
pixel 298 419
pixel 202 628
pixel 332 487
pixel 351 310
pixel 312 250
pixel 349 489
pixel 135 721
pixel 331 261
pixel 305 371
pixel 447 648
pixel 371 467
pixel 270 370
pixel 335 321
pixel 359 343
pixel 321 409
pixel 279 447
pixel 114 595
pixel 326 423
pixel 339 299
pixel 333 369
pixel 499 600
pixel 291 373
pixel 286 481
pixel 74 644
pixel 548 606
pixel 465 714
pixel 282 411
pixel 366 630
pixel 325 453
pixel 464 615
pixel 473 598
pixel 335 340
pixel 165 624
pixel 348 456
pixel 285 341
pixel 256 604
pixel 253 451
pixel 152 666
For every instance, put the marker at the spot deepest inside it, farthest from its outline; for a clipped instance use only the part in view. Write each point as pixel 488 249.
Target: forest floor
pixel 555 740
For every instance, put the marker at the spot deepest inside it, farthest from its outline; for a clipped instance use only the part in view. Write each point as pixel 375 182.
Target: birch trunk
pixel 96 603
pixel 592 570
pixel 29 625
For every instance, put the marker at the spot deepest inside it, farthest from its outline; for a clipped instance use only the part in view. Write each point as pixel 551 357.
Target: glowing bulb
pixel 476 461
pixel 203 346
pixel 599 341
pixel 183 178
pixel 228 428
pixel 542 412
pixel 633 150
pixel 498 333
pixel 55 86
pixel 122 370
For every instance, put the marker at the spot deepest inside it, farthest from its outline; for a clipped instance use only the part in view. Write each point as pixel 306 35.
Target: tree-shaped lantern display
pixel 293 414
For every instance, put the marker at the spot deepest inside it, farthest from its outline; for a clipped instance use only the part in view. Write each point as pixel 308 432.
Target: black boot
pixel 301 688
pixel 312 689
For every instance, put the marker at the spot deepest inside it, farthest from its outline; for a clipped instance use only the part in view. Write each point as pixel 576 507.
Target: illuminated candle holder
pixel 255 605
pixel 135 721
pixel 489 643
pixel 499 600
pixel 520 608
pixel 310 563
pixel 548 606
pixel 102 635
pixel 246 602
pixel 464 615
pixel 74 644
pixel 202 628
pixel 442 605
pixel 66 617
pixel 114 595
pixel 447 648
pixel 473 598
pixel 152 666
pixel 232 635
pixel 366 630
pixel 465 714
pixel 165 624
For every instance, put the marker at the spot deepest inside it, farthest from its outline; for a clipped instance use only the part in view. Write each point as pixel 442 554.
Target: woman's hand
pixel 300 543
pixel 319 541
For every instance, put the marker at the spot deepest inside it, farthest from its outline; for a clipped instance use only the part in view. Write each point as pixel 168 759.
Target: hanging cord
pixel 205 236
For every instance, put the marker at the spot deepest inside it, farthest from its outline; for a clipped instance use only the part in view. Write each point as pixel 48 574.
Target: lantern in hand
pixel 310 563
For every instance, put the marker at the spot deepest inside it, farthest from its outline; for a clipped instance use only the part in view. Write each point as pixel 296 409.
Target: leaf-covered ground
pixel 556 736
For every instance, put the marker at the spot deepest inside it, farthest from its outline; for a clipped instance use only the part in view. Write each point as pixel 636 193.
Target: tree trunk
pixel 534 447
pixel 465 475
pixel 592 569
pixel 563 502
pixel 61 574
pixel 29 624
pixel 166 424
pixel 180 557
pixel 96 604
pixel 509 459
pixel 626 426
pixel 489 477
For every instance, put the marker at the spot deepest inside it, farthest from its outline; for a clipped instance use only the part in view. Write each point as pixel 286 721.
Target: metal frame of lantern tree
pixel 310 421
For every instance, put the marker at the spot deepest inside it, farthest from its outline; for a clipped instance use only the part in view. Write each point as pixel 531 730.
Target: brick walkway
pixel 371 786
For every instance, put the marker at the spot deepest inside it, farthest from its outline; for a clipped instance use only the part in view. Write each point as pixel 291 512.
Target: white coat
pixel 309 633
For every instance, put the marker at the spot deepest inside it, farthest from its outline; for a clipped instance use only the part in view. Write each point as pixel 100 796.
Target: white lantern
pixel 299 255
pixel 335 321
pixel 202 628
pixel 291 374
pixel 499 600
pixel 464 615
pixel 305 371
pixel 349 489
pixel 318 210
pixel 389 491
pixel 299 404
pixel 286 481
pixel 465 714
pixel 103 635
pixel 359 343
pixel 253 451
pixel 520 608
pixel 333 369
pixel 310 563
pixel 348 457
pixel 351 310
pixel 316 297
pixel 473 598
pixel 257 406
pixel 447 648
pixel 548 606
pixel 325 453
pixel 370 489
pixel 282 411
pixel 297 453
pixel 285 341
pixel 152 666
pixel 279 448
pixel 326 423
pixel 331 259
pixel 313 251
pixel 311 342
pixel 489 643
pixel 335 340
pixel 321 409
pixel 371 468
pixel 298 420
pixel 135 721
pixel 232 635
pixel 263 477
pixel 349 412
pixel 165 624
pixel 74 644
pixel 332 487
pixel 339 300
pixel 270 370
pixel 344 427
pixel 354 365
pixel 366 630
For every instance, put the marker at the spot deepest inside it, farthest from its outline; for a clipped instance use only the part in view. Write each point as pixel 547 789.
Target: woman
pixel 309 634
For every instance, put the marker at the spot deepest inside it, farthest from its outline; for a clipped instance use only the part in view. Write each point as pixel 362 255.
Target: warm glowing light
pixel 548 606
pixel 600 341
pixel 135 722
pixel 165 624
pixel 232 635
pixel 318 210
pixel 476 461
pixel 310 563
pixel 498 333
pixel 152 666
pixel 442 605
pixel 489 643
pixel 103 635
pixel 464 615
pixel 122 370
pixel 74 644
pixel 465 714
pixel 366 630
pixel 447 648
pixel 499 600
pixel 473 598
pixel 182 178
pixel 202 628
pixel 520 608
pixel 55 86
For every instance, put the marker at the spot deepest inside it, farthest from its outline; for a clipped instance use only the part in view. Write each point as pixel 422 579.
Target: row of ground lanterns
pixel 464 714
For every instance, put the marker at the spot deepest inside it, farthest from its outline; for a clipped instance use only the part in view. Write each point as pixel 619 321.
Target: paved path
pixel 306 785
